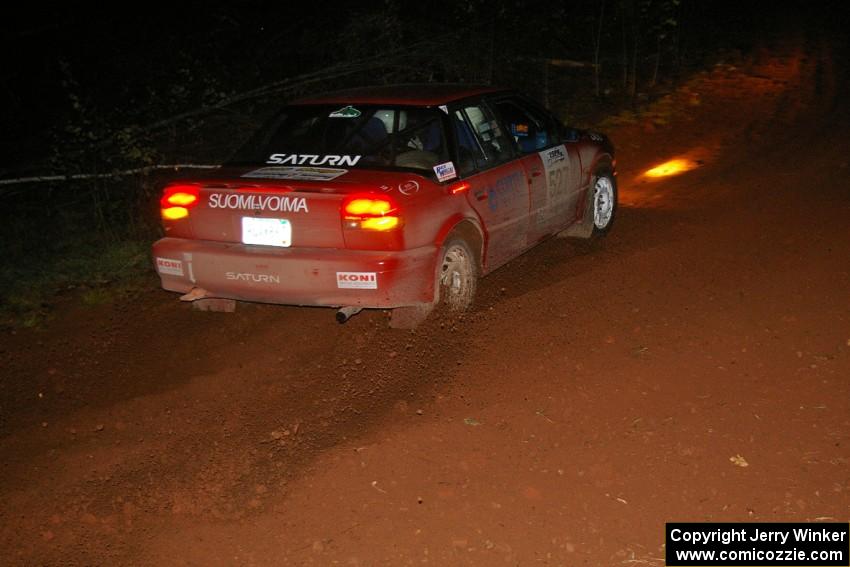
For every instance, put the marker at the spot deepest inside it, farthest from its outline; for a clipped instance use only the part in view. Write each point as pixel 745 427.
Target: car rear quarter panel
pixel 431 216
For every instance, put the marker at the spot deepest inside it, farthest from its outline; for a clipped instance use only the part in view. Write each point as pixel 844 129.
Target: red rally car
pixel 394 197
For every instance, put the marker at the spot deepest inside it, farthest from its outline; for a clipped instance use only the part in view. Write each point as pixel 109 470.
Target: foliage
pixel 191 82
pixel 98 269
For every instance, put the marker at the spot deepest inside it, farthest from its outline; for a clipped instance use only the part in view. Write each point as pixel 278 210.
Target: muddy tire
pixel 592 222
pixel 455 284
pixel 603 198
pixel 457 276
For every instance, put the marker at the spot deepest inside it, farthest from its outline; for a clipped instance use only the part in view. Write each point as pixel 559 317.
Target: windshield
pixel 349 136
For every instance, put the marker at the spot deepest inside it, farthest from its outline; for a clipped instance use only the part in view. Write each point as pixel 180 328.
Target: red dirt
pixel 597 390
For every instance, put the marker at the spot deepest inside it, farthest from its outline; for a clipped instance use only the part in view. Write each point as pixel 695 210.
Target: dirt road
pixel 597 390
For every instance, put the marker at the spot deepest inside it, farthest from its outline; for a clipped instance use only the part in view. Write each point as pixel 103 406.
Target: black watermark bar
pixel 758 544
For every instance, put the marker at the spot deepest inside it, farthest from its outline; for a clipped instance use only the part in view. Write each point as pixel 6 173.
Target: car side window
pixel 480 139
pixel 530 128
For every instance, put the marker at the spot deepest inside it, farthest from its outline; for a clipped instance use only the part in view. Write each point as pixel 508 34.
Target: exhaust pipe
pixel 194 294
pixel 346 313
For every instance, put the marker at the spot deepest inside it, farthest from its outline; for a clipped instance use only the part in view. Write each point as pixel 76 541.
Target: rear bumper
pixel 303 276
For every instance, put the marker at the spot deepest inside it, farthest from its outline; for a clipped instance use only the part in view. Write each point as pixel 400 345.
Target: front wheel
pixel 604 206
pixel 457 276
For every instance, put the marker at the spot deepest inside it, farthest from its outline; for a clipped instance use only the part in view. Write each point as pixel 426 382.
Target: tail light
pixel 370 212
pixel 177 200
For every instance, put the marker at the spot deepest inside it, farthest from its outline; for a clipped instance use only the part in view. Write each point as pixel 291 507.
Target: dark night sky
pixel 147 63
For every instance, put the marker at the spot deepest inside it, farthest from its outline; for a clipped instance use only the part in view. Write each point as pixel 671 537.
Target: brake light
pixel 370 213
pixel 177 200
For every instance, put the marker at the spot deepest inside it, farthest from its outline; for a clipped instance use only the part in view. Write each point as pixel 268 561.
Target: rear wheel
pixel 455 284
pixel 457 276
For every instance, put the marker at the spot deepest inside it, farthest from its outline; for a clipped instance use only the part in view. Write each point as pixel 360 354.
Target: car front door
pixel 552 168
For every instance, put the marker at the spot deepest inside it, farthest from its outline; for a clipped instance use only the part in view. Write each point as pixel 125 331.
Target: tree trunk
pixel 596 48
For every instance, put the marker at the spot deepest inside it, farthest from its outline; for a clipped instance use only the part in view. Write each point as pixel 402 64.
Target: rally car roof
pixel 427 94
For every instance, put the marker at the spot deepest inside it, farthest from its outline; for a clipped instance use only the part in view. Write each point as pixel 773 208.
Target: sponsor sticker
pixel 519 129
pixel 445 171
pixel 297 173
pixel 553 156
pixel 408 187
pixel 357 280
pixel 345 112
pixel 556 163
pixel 249 277
pixel 313 159
pixel 277 203
pixel 169 266
pixel 505 191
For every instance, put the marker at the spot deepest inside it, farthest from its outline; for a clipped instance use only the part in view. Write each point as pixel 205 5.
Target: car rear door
pixel 498 189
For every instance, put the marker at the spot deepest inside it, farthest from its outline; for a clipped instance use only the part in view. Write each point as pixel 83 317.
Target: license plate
pixel 267 232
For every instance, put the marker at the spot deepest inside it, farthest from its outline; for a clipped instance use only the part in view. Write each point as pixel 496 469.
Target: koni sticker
pixel 357 280
pixel 345 112
pixel 445 171
pixel 279 203
pixel 297 173
pixel 169 266
pixel 313 159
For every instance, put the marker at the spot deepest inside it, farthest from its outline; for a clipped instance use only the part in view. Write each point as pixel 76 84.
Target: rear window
pixel 350 136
